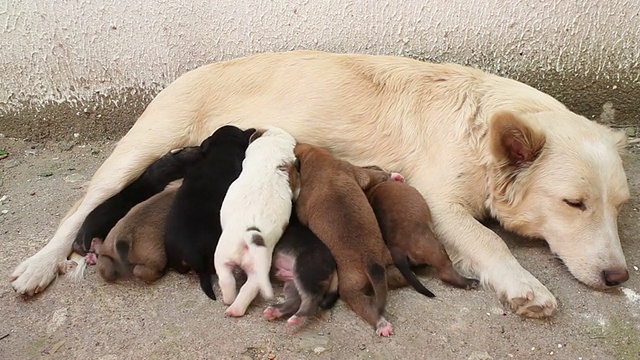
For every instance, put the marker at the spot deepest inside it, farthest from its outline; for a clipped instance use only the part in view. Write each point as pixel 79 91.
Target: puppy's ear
pixel 256 134
pixel 512 141
pixel 248 132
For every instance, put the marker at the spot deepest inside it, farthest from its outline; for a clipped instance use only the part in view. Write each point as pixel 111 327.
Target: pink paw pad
pixel 397 177
pixel 271 313
pixel 295 321
pixel 90 258
pixel 385 329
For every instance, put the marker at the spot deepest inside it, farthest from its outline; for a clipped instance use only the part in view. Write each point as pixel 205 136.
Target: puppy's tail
pixel 262 260
pixel 400 259
pixel 122 247
pixel 378 278
pixel 206 285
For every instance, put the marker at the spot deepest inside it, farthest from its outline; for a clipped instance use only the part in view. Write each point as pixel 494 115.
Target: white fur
pixel 260 198
pixel 428 121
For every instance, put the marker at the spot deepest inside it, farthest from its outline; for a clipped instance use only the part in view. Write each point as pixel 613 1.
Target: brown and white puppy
pixel 405 221
pixel 305 264
pixel 254 213
pixel 136 243
pixel 333 205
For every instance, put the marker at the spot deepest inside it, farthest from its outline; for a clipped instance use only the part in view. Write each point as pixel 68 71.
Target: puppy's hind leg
pixel 247 293
pixel 290 305
pixel 261 256
pixel 135 151
pixel 146 273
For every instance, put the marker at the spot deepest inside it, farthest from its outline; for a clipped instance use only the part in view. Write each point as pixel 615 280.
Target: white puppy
pixel 253 216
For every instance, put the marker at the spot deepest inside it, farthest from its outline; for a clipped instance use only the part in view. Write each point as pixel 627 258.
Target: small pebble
pixel 635 268
pixel 559 345
pixel 533 348
pixel 362 346
pixel 4 211
pixel 11 163
pixel 319 350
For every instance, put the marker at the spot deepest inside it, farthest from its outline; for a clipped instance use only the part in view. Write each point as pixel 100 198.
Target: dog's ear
pixel 514 142
pixel 256 134
pixel 620 139
pixel 249 132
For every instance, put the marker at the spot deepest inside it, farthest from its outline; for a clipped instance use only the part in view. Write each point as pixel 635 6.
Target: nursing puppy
pixel 333 206
pixel 510 151
pixel 254 214
pixel 135 245
pixel 405 221
pixel 193 225
pixel 154 179
pixel 307 268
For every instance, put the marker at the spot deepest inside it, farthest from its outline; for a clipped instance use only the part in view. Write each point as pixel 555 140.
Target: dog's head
pixel 227 133
pixel 564 183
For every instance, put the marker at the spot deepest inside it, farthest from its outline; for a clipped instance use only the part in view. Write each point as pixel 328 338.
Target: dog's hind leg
pixel 146 273
pixel 147 140
pixel 290 305
pixel 247 293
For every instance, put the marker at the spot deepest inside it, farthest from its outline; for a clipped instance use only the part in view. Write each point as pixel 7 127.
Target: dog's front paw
pixel 525 295
pixel 36 273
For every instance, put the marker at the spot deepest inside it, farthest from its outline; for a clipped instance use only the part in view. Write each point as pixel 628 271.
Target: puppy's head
pixel 564 183
pixel 227 133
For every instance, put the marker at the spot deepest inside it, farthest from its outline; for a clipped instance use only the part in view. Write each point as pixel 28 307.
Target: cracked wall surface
pixel 93 65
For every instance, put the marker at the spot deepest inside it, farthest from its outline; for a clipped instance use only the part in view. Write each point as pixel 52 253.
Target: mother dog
pixel 474 144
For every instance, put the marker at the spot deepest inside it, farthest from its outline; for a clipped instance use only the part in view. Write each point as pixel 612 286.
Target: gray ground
pixel 174 319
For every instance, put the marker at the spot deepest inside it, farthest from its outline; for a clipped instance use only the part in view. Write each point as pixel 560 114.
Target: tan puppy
pixel 333 206
pixel 136 243
pixel 405 221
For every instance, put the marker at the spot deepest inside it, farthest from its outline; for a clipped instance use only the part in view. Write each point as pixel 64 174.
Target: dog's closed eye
pixel 578 204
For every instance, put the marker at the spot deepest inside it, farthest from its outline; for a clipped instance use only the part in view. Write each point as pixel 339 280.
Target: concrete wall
pixel 94 64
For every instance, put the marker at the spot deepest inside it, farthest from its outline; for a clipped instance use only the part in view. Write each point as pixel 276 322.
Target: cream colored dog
pixel 474 144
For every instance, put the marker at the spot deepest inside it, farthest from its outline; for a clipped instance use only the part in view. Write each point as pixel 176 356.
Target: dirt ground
pixel 173 319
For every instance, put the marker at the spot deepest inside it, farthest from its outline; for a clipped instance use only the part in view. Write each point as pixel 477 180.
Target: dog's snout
pixel 615 277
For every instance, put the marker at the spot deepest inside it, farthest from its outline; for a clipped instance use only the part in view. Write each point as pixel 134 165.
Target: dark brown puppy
pixel 136 243
pixel 405 221
pixel 304 263
pixel 333 205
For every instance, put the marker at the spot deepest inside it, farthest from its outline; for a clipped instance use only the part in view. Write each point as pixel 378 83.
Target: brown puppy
pixel 405 221
pixel 333 205
pixel 136 243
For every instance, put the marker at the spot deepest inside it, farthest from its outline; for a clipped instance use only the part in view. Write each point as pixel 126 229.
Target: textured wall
pixel 98 55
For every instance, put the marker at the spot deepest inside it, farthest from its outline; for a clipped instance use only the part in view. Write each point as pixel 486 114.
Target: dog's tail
pixel 206 285
pixel 378 278
pixel 254 240
pixel 400 259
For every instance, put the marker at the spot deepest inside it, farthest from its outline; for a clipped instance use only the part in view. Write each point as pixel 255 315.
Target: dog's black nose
pixel 615 277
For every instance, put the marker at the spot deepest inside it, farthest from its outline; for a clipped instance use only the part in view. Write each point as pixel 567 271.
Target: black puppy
pixel 193 225
pixel 308 270
pixel 102 219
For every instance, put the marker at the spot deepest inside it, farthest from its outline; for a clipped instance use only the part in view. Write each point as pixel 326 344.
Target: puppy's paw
pixel 36 273
pixel 296 320
pixel 271 313
pixel 91 258
pixel 233 311
pixel 397 177
pixel 384 328
pixel 66 266
pixel 525 295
